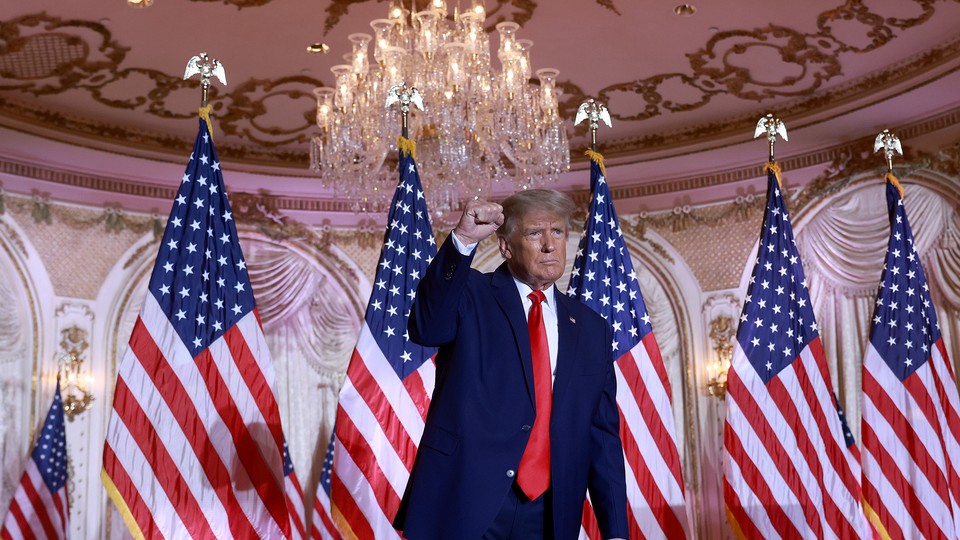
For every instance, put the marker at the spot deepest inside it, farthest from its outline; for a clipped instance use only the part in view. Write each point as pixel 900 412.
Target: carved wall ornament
pixel 86 57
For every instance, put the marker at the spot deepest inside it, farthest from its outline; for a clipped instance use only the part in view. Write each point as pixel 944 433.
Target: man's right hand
pixel 480 219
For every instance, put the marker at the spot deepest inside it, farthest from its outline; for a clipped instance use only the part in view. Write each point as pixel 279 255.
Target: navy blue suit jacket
pixel 483 407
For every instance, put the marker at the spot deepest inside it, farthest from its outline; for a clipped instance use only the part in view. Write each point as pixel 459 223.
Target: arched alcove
pixel 843 239
pixel 311 298
pixel 25 294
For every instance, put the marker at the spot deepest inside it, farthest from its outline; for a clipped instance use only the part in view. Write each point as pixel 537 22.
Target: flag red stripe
pixel 908 436
pixel 58 501
pixel 751 474
pixel 775 449
pixel 327 524
pixel 653 352
pixel 165 469
pixel 736 511
pixel 262 394
pixel 659 507
pixel 949 412
pixel 414 385
pixel 248 450
pixel 666 447
pixel 20 518
pixel 370 391
pixel 835 518
pixel 181 407
pixel 836 447
pixel 870 493
pixel 39 509
pixel 902 487
pixel 348 509
pixel 589 522
pixel 360 452
pixel 121 480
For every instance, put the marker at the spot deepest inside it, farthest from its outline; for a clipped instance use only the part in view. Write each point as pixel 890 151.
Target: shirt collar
pixel 525 290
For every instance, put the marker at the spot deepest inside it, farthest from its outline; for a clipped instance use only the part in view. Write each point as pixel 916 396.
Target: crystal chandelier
pixel 480 126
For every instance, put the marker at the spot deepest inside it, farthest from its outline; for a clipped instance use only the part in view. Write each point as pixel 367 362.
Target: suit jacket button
pixel 526 427
pixel 511 473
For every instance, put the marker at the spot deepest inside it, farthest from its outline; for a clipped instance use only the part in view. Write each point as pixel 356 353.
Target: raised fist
pixel 480 219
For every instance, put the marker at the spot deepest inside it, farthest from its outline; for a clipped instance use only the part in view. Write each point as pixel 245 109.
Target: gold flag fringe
pixel 889 177
pixel 407 147
pixel 598 157
pixel 775 169
pixel 205 114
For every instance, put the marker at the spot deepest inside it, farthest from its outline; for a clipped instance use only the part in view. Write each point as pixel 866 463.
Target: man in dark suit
pixel 523 419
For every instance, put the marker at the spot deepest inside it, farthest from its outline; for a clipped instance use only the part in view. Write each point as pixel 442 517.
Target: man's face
pixel 536 251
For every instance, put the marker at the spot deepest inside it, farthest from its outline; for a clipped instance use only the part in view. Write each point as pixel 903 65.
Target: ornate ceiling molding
pixel 42 55
pixel 839 157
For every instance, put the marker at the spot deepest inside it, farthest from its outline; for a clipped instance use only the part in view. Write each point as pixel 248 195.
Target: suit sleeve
pixel 434 314
pixel 607 482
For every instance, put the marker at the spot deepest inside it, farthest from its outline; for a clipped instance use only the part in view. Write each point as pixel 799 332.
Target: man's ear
pixel 504 247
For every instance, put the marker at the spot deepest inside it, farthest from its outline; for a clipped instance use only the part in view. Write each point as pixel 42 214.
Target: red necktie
pixel 534 475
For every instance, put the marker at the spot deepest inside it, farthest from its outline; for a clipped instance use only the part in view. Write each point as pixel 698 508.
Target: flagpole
pixel 772 127
pixel 594 111
pixel 400 94
pixel 206 67
pixel 890 144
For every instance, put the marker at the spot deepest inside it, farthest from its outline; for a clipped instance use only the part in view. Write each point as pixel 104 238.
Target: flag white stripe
pixel 893 504
pixel 650 453
pixel 428 374
pixel 786 438
pixel 183 365
pixel 770 474
pixel 654 385
pixel 939 366
pixel 369 428
pixel 176 444
pixel 389 385
pixel 848 503
pixel 360 491
pixel 132 460
pixel 295 496
pixel 648 523
pixel 751 503
pixel 892 498
pixel 46 498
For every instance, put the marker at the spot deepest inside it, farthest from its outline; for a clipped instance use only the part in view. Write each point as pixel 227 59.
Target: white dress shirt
pixel 549 306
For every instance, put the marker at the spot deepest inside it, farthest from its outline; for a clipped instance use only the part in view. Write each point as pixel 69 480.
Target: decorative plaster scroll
pixel 89 59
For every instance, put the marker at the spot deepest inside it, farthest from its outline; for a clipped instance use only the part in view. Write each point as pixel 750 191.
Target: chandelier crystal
pixel 480 126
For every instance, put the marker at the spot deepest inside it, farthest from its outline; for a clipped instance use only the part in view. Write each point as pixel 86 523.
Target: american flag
pixel 787 470
pixel 194 446
pixel 321 526
pixel 40 507
pixel 294 494
pixel 384 399
pixel 603 277
pixel 911 424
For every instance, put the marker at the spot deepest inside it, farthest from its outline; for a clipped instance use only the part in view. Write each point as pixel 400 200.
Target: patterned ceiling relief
pixel 715 85
pixel 41 54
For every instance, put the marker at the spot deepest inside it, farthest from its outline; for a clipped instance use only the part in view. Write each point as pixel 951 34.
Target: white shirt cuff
pixel 465 250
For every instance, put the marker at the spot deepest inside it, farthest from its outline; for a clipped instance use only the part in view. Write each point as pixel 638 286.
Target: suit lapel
pixel 568 340
pixel 505 292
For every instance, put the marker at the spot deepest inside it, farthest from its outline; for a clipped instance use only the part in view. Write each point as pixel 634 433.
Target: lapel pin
pixel 574 321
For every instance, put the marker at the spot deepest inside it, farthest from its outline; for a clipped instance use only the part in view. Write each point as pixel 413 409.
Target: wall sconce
pixel 77 396
pixel 721 334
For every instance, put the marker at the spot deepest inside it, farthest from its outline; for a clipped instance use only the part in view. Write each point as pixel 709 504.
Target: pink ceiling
pixel 684 92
